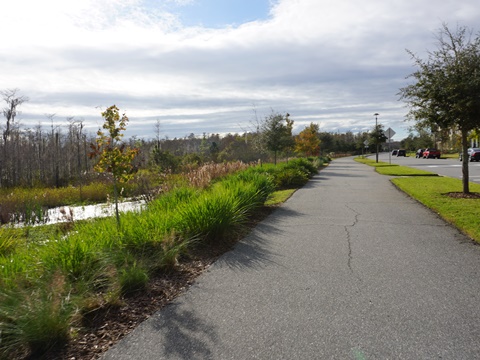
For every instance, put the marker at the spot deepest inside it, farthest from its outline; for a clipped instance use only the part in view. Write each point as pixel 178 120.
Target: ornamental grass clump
pixel 33 321
pixel 133 279
pixel 225 207
pixel 76 256
pixel 210 216
pixel 249 188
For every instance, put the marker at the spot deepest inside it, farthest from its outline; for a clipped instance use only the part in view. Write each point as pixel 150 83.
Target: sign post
pixel 389 134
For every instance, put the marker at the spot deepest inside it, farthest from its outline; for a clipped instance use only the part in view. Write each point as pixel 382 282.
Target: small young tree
pixel 377 137
pixel 307 142
pixel 276 133
pixel 114 156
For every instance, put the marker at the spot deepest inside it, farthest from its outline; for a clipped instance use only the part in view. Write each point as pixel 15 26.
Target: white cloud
pixel 332 62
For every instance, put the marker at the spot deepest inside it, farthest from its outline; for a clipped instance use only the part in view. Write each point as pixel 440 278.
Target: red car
pixel 431 153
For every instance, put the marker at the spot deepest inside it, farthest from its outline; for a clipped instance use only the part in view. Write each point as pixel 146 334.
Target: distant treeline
pixel 59 156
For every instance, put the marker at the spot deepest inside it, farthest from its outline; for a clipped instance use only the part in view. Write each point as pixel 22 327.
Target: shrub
pixel 291 178
pixel 303 165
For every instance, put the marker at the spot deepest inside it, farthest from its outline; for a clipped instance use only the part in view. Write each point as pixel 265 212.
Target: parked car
pixel 394 152
pixel 473 154
pixel 401 152
pixel 419 153
pixel 431 153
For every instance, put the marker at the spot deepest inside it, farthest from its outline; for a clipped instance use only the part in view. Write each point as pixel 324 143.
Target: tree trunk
pixel 115 194
pixel 465 160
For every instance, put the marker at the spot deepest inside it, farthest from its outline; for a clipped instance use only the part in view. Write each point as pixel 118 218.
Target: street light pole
pixel 376 136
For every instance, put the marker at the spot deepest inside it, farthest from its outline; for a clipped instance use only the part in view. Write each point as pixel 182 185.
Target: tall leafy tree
pixel 114 156
pixel 445 92
pixel 307 142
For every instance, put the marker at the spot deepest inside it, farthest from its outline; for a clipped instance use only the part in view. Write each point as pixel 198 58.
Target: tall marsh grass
pixel 30 205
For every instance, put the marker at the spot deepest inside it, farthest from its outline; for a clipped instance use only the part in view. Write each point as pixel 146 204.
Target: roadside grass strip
pixel 394 169
pixel 403 171
pixel 464 213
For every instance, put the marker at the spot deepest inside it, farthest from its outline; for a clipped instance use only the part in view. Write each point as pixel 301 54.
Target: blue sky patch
pixel 221 13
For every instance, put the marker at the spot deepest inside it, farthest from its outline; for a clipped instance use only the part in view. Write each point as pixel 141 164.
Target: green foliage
pixel 211 216
pixel 114 157
pixel 8 240
pixel 445 86
pixel 165 160
pixel 76 256
pixel 319 162
pixel 264 182
pixel 133 279
pixel 276 133
pixel 291 178
pixel 421 140
pixel 303 164
pixel 444 94
pixel 377 136
pixel 34 321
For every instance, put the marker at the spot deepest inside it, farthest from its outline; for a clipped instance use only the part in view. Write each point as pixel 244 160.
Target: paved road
pixel 348 268
pixel 443 166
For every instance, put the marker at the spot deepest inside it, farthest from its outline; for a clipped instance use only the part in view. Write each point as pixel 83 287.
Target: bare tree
pixel 10 111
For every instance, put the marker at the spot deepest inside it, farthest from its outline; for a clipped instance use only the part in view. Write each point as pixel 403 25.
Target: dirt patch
pixel 461 195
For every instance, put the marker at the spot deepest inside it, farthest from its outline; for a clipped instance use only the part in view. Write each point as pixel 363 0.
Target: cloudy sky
pixel 214 66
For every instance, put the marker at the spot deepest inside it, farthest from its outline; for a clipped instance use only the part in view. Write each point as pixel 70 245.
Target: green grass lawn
pixel 432 191
pixel 394 169
pixel 279 197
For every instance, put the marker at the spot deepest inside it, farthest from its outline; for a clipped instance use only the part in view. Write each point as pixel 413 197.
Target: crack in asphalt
pixel 349 240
